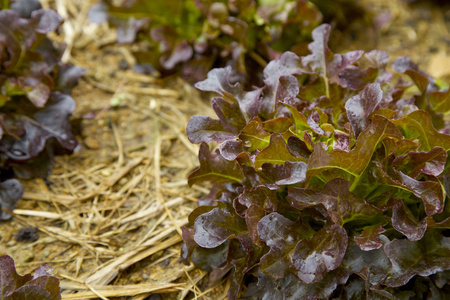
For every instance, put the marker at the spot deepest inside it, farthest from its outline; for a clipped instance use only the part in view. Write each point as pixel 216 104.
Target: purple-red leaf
pixel 210 259
pixel 430 191
pixel 290 288
pixel 9 279
pixel 188 245
pixel 36 91
pixel 181 52
pixel 425 257
pixel 42 285
pixel 25 7
pixel 418 125
pixel 369 239
pixel 322 253
pixel 254 136
pixel 54 118
pixel 414 163
pixel 372 265
pixel 289 173
pixel 329 164
pixel 342 205
pixel 276 153
pixel 379 60
pixel 279 82
pixel 260 196
pixel 213 167
pixel 355 161
pixel 232 149
pixel 35 120
pixel 252 217
pixel 281 235
pixel 359 107
pixel 46 20
pixel 68 76
pixel 322 61
pixel 297 147
pixel 404 222
pixel 50 122
pixel 204 129
pixel 405 65
pixel 229 114
pixel 215 227
pixel 218 81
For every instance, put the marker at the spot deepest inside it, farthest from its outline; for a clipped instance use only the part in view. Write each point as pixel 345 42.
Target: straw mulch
pixel 109 216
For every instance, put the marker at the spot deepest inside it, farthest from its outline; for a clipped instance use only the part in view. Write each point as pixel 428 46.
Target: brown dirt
pixel 109 216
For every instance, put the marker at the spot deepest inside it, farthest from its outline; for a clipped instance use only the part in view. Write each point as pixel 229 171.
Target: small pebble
pixel 29 257
pixel 153 297
pixel 123 65
pixel 29 234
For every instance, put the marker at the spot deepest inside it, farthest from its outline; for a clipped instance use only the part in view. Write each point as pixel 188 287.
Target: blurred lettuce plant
pixel 35 105
pixel 193 36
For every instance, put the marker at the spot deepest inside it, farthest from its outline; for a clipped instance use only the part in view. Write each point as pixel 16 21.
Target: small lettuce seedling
pixel 40 285
pixel 34 103
pixel 330 180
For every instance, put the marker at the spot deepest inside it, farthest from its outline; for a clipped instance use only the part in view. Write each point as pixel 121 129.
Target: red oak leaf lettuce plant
pixel 34 101
pixel 193 36
pixel 40 285
pixel 330 181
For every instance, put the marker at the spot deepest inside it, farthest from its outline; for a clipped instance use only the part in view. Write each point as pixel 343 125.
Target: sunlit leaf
pixel 355 161
pixel 440 101
pixel 418 125
pixel 275 153
pixel 254 136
